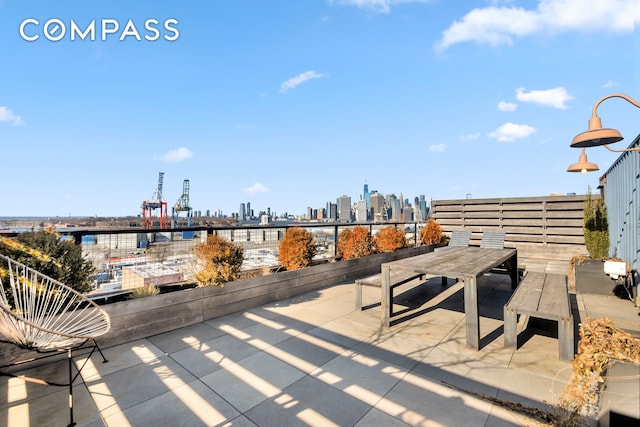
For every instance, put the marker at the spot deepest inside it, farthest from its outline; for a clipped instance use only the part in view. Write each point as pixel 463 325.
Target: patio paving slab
pixel 251 380
pixel 309 402
pixel 313 360
pixel 191 404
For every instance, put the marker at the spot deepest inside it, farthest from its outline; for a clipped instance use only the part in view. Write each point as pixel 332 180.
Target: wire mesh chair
pixel 42 314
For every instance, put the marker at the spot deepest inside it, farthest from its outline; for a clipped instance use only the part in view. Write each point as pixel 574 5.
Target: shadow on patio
pixel 312 360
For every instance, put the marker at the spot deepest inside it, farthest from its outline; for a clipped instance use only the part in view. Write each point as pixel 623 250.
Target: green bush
pixel 596 227
pixel 46 252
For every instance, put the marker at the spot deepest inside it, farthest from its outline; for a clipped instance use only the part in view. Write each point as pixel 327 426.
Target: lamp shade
pixel 583 165
pixel 595 137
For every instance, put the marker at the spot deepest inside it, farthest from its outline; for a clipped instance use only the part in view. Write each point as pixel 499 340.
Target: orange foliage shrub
pixel 355 242
pixel 432 233
pixel 297 249
pixel 221 261
pixel 390 239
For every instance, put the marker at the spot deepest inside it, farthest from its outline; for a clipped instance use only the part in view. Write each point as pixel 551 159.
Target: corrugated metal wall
pixel 539 227
pixel 620 186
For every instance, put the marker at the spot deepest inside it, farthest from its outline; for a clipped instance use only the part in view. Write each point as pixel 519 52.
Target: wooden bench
pixel 397 278
pixel 543 296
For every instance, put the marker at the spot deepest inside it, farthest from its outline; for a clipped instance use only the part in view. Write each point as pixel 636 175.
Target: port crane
pixel 156 202
pixel 182 205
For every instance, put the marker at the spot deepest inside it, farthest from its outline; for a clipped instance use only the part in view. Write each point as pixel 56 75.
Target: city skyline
pixel 291 104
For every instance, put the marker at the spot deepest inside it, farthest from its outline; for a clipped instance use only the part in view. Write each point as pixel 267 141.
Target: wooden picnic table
pixel 463 263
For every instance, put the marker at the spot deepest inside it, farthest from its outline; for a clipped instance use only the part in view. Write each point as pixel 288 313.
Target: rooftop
pixel 314 360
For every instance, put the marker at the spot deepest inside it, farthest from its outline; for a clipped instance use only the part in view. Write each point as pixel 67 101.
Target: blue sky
pixel 293 103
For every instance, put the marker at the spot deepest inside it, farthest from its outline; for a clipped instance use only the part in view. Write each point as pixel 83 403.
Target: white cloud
pixel 499 25
pixel 511 131
pixel 609 84
pixel 296 81
pixel 380 6
pixel 245 126
pixel 6 115
pixel 437 148
pixel 507 106
pixel 470 136
pixel 178 155
pixel 556 97
pixel 256 189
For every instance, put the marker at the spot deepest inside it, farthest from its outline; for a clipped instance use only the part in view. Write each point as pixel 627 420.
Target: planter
pixel 591 279
pixel 144 317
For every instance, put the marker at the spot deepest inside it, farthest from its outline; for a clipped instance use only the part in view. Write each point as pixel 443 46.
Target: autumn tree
pixel 220 261
pixel 432 233
pixel 390 239
pixel 297 249
pixel 355 242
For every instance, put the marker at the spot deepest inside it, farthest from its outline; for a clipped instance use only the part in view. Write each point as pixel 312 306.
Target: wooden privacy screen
pixel 539 227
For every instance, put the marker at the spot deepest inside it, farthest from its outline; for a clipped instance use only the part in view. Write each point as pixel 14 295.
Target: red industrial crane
pixel 156 202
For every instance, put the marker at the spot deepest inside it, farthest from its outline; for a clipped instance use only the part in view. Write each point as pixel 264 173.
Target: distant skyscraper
pixel 377 204
pixel 242 214
pixel 392 206
pixel 344 208
pixel 333 211
pixel 361 211
pixel 423 208
pixel 366 196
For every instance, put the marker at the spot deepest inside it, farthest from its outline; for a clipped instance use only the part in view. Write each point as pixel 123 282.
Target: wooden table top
pixel 460 262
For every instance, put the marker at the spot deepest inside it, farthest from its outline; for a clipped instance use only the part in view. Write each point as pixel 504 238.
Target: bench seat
pixel 397 278
pixel 544 296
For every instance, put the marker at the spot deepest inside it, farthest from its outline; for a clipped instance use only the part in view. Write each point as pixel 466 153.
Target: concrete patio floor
pixel 313 360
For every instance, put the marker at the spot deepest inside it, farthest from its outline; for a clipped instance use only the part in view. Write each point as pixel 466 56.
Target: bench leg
pixel 386 299
pixel 565 338
pixel 510 328
pixel 358 296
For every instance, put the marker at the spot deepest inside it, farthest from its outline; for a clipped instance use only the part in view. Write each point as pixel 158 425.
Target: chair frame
pixel 492 239
pixel 460 237
pixel 41 314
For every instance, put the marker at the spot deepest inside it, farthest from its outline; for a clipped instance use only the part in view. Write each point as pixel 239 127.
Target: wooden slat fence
pixel 539 227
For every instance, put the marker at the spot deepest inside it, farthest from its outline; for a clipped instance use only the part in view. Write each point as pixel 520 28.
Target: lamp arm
pixel 614 95
pixel 621 151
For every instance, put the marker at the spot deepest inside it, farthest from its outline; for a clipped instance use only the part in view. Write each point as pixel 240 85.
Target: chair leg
pixel 104 359
pixel 71 377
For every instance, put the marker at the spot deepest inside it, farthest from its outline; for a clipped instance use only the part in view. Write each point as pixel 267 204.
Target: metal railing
pixel 131 257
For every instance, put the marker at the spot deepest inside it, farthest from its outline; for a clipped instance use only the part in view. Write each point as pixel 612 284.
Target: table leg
pixel 514 271
pixel 385 300
pixel 472 318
